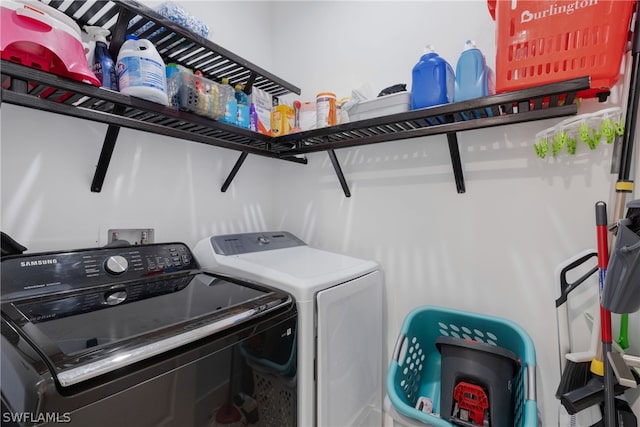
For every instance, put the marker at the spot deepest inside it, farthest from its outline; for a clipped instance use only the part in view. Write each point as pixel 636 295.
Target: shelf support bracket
pixel 454 150
pixel 108 146
pixel 249 85
pixel 338 169
pixel 234 171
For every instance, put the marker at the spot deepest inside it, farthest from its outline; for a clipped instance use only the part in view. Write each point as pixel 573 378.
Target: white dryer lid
pixel 300 270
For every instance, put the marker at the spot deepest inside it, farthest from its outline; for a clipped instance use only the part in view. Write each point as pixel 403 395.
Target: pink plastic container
pixel 38 36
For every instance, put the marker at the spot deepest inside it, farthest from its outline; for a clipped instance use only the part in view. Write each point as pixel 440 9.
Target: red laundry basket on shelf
pixel 540 42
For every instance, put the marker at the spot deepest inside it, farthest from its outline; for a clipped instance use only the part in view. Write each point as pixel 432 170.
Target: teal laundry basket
pixel 414 371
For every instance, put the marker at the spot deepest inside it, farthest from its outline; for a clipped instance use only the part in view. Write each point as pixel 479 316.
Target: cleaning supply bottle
pixel 432 81
pixel 244 119
pixel 102 64
pixel 141 71
pixel 473 76
pixel 89 47
pixel 253 118
pixel 231 107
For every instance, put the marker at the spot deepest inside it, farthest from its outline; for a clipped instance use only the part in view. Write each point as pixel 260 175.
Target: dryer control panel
pixel 243 243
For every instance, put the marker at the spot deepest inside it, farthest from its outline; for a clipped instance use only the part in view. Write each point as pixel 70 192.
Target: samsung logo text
pixel 38 262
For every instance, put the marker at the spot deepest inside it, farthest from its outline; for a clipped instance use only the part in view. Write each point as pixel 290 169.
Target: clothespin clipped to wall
pixel 590 128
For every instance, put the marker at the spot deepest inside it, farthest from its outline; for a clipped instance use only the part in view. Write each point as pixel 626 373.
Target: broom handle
pixel 605 316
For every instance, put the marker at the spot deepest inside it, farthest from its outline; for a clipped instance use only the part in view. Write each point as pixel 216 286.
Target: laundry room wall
pixel 170 185
pixel 493 249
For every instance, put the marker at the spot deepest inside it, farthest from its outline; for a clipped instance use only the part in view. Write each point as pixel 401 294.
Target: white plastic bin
pixel 399 102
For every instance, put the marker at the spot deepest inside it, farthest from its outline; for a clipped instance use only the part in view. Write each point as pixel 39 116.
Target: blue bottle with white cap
pixel 432 81
pixel 473 76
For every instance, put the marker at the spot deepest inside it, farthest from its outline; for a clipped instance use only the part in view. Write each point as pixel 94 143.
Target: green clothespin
pixel 608 130
pixel 559 141
pixel 572 145
pixel 542 148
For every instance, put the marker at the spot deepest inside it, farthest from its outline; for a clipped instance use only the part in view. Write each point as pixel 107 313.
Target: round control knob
pixel 263 240
pixel 115 298
pixel 116 264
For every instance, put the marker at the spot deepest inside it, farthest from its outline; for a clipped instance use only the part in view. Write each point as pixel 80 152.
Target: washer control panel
pixel 27 275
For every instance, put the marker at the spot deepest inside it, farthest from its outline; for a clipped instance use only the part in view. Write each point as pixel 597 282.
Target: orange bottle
pixel 326 109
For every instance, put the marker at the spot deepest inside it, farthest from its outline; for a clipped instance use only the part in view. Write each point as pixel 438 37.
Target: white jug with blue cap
pixel 141 71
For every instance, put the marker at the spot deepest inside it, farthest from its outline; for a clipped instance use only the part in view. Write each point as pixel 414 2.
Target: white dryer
pixel 340 320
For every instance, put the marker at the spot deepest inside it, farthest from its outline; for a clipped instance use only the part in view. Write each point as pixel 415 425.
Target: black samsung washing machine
pixel 132 336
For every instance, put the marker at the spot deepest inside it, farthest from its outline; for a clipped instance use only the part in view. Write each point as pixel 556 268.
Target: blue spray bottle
pixel 103 66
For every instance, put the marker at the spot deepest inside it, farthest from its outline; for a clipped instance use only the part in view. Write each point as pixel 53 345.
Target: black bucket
pixel 488 366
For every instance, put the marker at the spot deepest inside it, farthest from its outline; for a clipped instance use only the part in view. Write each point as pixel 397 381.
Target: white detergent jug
pixel 141 71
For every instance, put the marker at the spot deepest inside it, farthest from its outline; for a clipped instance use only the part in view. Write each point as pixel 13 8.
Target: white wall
pixel 493 249
pixel 153 181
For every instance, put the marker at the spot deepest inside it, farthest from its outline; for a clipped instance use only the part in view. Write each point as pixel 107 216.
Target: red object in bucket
pixel 540 42
pixel 473 399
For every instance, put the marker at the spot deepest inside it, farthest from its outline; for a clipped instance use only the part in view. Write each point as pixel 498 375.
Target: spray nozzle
pixel 96 33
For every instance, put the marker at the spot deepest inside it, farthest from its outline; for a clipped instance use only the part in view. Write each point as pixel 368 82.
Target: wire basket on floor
pixel 414 371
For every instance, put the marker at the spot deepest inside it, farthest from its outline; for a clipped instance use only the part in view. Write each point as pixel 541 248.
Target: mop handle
pixel 603 261
pixel 605 315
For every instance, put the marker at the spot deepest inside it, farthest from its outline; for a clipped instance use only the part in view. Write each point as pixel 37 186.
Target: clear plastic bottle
pixel 244 119
pixel 231 108
pixel 432 81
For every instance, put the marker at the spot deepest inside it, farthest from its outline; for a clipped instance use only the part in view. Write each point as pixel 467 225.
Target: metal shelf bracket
pixel 108 146
pixel 454 150
pixel 234 171
pixel 338 169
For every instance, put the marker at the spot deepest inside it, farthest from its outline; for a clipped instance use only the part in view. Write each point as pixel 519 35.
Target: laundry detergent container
pixel 476 381
pixel 418 369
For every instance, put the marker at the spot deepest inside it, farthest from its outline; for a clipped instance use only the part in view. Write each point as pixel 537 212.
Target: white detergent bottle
pixel 141 71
